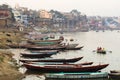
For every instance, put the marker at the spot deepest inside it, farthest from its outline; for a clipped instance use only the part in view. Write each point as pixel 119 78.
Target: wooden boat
pixel 44 51
pixel 101 51
pixel 34 47
pixel 65 68
pixel 45 42
pixel 74 48
pixel 51 60
pixel 115 71
pixel 70 45
pixel 37 55
pixel 76 76
pixel 55 40
pixel 60 63
pixel 114 74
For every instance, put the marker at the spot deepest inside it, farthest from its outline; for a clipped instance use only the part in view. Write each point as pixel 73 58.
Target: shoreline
pixel 8 67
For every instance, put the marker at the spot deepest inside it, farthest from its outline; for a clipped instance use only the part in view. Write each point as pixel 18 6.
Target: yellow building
pixel 45 14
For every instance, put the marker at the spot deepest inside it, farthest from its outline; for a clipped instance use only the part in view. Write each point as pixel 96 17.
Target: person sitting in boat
pixel 103 49
pixel 99 48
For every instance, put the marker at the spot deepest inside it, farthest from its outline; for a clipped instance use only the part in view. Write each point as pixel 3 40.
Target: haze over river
pixel 110 40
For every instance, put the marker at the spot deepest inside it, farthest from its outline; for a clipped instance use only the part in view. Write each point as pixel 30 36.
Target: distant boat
pixel 76 76
pixel 65 68
pixel 101 51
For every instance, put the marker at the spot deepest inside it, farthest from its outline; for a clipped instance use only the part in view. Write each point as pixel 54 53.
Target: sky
pixel 88 7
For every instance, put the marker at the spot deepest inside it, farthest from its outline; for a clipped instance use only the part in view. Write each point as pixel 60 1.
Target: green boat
pixel 76 76
pixel 46 43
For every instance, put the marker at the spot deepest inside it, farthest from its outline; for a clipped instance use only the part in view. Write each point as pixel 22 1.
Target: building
pixel 45 14
pixel 5 16
pixel 44 18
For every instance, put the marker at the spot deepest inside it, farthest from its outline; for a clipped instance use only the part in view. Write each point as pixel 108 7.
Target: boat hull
pixel 36 55
pixel 85 75
pixel 45 51
pixel 114 74
pixel 66 68
pixel 52 60
pixel 46 48
pixel 74 48
pixel 103 52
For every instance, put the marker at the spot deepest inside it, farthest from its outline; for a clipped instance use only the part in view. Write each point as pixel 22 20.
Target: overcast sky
pixel 88 7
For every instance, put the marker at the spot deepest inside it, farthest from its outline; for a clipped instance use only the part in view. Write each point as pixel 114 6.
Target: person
pixel 100 48
pixel 103 49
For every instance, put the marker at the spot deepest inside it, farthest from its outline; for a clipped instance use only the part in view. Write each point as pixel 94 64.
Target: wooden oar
pixel 94 51
pixel 109 51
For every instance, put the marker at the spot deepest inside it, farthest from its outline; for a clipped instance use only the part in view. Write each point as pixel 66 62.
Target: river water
pixel 110 40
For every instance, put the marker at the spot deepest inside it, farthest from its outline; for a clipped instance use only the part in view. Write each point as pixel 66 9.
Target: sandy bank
pixel 8 68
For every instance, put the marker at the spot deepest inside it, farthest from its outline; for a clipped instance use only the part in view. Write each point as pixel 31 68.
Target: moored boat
pixel 65 68
pixel 74 48
pixel 44 51
pixel 50 60
pixel 61 63
pixel 36 55
pixel 114 74
pixel 70 45
pixel 34 47
pixel 114 71
pixel 55 40
pixel 45 42
pixel 76 76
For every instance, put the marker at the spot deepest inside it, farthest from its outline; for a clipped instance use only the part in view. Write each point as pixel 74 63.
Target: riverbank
pixel 8 67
